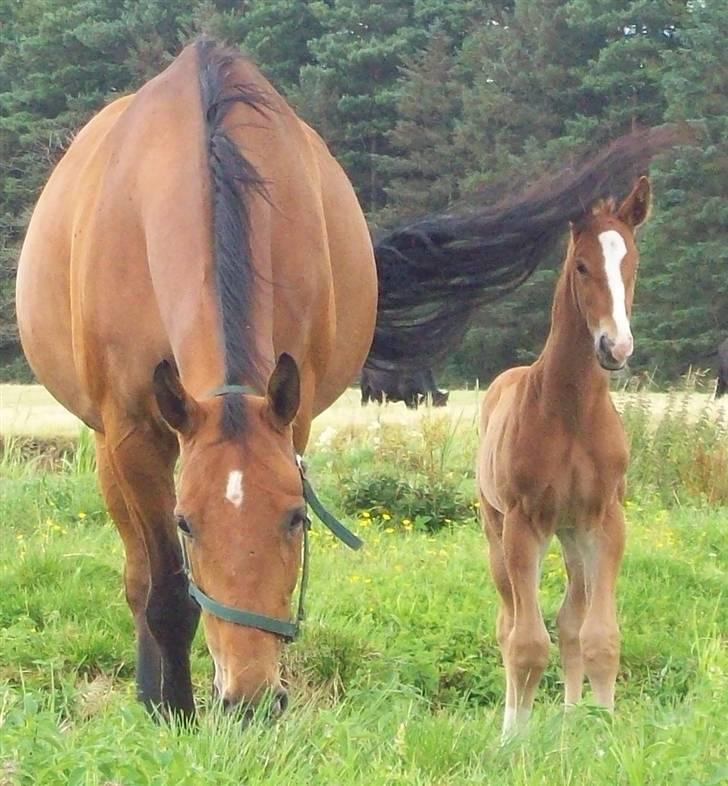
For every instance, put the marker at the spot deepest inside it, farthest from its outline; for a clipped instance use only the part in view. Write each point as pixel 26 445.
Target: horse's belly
pixel 44 315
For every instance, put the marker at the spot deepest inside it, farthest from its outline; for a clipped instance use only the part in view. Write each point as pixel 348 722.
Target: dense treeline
pixel 423 102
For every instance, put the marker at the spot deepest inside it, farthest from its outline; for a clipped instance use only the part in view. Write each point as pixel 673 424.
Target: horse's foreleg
pixel 599 635
pixel 493 526
pixel 571 617
pixel 142 457
pixel 136 581
pixel 527 648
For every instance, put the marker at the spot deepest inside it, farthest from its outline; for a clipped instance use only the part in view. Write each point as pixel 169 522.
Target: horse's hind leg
pixel 527 647
pixel 143 456
pixel 136 581
pixel 571 617
pixel 603 548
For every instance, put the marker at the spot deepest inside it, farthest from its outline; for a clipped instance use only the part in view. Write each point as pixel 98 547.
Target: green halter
pixel 287 630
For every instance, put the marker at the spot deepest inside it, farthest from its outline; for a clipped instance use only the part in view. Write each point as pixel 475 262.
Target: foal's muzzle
pixel 612 356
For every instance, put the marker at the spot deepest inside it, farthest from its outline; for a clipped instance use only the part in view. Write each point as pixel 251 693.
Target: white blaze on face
pixel 234 490
pixel 614 250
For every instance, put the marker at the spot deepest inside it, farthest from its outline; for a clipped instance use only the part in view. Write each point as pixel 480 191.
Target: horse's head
pixel 241 515
pixel 602 268
pixel 440 398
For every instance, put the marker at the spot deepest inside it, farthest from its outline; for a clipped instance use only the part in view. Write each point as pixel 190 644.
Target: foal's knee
pixel 529 653
pixel 600 649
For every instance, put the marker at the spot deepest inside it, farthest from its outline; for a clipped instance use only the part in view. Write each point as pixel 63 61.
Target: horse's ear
pixel 178 408
pixel 636 207
pixel 284 392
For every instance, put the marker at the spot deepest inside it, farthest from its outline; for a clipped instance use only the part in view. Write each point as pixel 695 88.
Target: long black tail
pixel 434 272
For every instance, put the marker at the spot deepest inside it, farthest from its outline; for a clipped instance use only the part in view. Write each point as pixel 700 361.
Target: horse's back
pixel 122 236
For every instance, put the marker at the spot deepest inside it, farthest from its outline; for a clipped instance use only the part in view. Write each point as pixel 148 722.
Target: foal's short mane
pixel 233 182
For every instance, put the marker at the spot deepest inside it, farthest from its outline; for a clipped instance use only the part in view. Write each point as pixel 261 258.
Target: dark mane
pixel 233 182
pixel 436 271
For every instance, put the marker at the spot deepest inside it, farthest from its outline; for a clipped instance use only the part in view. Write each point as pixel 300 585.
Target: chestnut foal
pixel 552 459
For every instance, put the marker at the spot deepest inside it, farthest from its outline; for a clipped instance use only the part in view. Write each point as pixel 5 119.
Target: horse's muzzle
pixel 611 356
pixel 272 708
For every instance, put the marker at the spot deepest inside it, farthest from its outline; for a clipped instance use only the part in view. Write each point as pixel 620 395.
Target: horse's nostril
pixel 605 345
pixel 280 703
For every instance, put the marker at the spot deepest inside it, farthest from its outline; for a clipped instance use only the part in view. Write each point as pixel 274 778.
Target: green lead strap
pixel 334 525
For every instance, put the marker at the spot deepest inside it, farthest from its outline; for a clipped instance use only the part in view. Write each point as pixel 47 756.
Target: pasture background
pixel 397 678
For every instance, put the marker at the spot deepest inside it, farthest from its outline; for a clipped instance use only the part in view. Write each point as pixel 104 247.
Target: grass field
pixel 397 678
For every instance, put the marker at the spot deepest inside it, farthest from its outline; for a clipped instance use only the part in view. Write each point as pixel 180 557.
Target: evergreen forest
pixel 424 102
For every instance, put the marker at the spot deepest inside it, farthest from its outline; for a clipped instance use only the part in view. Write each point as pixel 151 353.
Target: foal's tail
pixel 434 272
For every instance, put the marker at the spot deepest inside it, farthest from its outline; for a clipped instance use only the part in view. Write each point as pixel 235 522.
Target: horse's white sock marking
pixel 514 719
pixel 614 250
pixel 234 490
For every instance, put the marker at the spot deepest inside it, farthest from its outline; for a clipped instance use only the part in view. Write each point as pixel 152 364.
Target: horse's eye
pixel 298 520
pixel 582 268
pixel 182 524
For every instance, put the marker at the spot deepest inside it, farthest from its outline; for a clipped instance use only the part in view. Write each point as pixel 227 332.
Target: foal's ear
pixel 178 408
pixel 284 392
pixel 636 207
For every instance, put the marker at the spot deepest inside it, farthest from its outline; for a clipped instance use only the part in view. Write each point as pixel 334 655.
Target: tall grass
pixel 397 678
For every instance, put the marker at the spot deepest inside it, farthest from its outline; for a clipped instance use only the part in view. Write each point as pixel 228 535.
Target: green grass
pixel 397 678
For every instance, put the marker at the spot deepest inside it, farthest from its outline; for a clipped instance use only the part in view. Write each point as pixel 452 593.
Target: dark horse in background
pixel 198 281
pixel 414 387
pixel 722 386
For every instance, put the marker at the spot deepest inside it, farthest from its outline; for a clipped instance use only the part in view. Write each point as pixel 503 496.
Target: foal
pixel 552 459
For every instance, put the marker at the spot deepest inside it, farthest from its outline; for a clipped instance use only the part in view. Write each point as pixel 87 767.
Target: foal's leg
pixel 527 649
pixel 493 526
pixel 571 617
pixel 142 456
pixel 599 635
pixel 136 581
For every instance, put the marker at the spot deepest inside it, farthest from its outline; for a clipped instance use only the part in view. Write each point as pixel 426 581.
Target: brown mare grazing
pixel 552 459
pixel 198 234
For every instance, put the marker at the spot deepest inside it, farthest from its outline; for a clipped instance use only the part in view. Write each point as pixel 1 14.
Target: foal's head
pixel 240 509
pixel 602 266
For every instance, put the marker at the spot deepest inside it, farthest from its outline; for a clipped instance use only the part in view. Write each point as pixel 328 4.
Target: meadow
pixel 397 678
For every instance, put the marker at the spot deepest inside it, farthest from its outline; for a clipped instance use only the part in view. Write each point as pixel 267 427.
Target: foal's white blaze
pixel 614 250
pixel 234 490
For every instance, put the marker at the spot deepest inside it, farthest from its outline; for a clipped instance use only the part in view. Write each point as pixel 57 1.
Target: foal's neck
pixel 572 379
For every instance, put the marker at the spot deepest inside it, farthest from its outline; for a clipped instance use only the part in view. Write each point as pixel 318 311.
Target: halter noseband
pixel 288 630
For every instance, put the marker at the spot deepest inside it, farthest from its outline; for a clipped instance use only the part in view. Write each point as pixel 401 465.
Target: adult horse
pixel 413 386
pixel 552 459
pixel 198 234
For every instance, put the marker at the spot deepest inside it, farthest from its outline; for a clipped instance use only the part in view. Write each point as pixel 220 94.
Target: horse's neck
pixel 572 380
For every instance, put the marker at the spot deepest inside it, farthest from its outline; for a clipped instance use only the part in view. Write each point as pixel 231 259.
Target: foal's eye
pixel 581 268
pixel 182 524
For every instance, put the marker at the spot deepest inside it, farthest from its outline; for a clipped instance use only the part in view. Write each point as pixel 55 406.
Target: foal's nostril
pixel 605 345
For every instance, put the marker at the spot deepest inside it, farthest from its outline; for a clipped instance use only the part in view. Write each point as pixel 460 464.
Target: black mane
pixel 233 182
